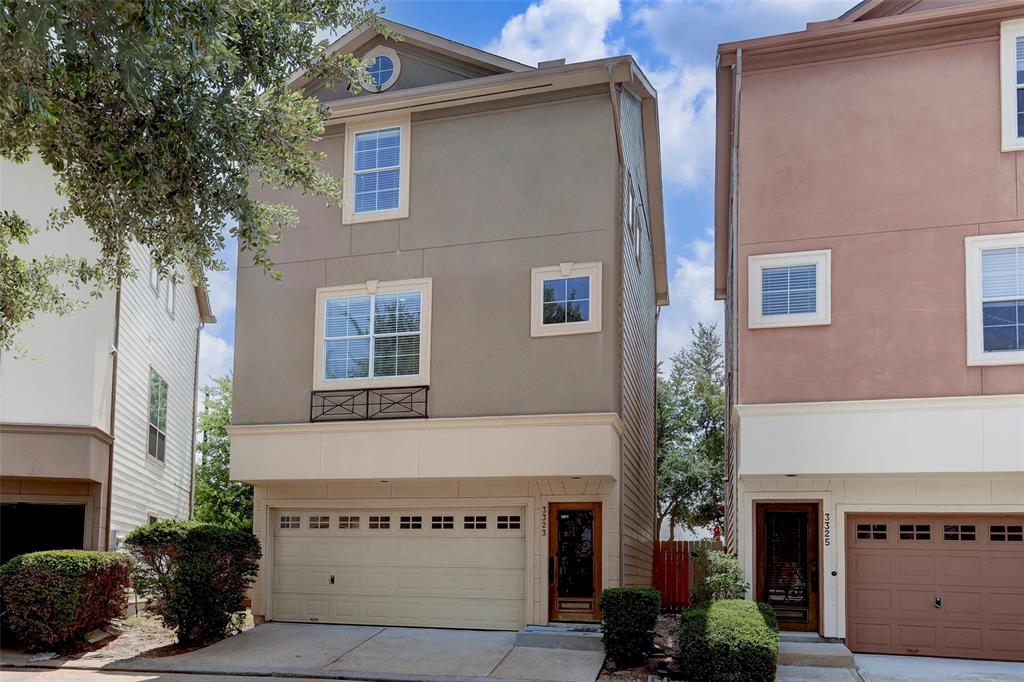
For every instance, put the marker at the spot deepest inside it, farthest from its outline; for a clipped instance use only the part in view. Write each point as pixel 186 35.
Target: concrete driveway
pixel 877 668
pixel 362 652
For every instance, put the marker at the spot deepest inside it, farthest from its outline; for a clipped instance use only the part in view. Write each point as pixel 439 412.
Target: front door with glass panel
pixel 787 563
pixel 574 561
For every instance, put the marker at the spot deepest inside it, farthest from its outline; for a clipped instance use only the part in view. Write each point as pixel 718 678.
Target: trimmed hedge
pixel 50 598
pixel 731 640
pixel 628 615
pixel 195 574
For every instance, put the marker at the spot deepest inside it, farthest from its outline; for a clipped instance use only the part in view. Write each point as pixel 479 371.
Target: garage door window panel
pixel 410 523
pixel 872 531
pixel 380 522
pixel 959 533
pixel 348 522
pixel 1006 533
pixel 915 531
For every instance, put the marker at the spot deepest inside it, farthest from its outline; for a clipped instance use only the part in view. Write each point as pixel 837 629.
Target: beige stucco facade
pixel 844 140
pixel 508 171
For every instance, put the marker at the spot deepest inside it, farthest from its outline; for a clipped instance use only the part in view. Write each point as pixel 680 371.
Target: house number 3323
pixel 544 521
pixel 827 529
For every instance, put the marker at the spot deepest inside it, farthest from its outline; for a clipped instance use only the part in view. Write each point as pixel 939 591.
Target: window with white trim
pixel 154 277
pixel 566 299
pixel 376 170
pixel 1011 57
pixel 789 289
pixel 157 443
pixel 995 299
pixel 373 335
pixel 382 68
pixel 169 295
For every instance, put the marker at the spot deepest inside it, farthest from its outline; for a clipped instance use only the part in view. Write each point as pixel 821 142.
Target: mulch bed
pixel 660 663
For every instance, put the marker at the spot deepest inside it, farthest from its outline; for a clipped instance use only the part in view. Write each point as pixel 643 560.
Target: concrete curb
pixel 240 671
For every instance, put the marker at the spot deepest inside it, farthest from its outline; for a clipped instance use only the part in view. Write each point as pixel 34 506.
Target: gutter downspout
pixel 113 413
pixel 616 123
pixel 734 154
pixel 195 408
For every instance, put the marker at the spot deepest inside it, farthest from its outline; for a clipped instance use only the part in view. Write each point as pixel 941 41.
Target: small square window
pixel 474 522
pixel 151 519
pixel 789 289
pixel 958 533
pixel 1006 533
pixel 871 531
pixel 380 522
pixel 319 522
pixel 348 522
pixel 565 299
pixel 508 523
pixel 290 522
pixel 410 522
pixel 911 531
pixel 442 522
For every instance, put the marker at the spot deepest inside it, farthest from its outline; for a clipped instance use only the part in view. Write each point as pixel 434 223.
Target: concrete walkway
pixel 363 653
pixel 877 668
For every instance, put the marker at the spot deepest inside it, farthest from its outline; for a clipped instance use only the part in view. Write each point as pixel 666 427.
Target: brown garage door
pixel 936 585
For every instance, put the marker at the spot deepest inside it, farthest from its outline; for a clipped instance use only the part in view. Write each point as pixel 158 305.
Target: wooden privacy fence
pixel 677 571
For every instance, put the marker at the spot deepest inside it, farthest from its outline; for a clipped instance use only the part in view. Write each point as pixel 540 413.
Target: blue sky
pixel 674 41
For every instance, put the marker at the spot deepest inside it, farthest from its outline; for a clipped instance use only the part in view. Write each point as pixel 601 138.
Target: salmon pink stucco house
pixel 870 251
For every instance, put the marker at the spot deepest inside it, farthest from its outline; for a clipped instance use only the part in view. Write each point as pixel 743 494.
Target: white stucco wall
pixel 65 378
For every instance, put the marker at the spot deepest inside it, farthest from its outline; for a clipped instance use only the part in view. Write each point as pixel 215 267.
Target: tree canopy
pixel 691 433
pixel 154 115
pixel 218 498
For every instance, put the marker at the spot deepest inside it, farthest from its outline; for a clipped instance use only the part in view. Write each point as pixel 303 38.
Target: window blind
pixel 372 335
pixel 377 168
pixel 789 290
pixel 1002 295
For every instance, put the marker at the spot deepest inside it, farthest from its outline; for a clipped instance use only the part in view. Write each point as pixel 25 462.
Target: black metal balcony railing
pixel 368 403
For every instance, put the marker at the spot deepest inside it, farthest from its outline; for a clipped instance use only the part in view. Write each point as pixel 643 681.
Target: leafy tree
pixel 691 433
pixel 154 115
pixel 218 498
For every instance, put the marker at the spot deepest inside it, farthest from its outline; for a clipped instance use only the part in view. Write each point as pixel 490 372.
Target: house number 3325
pixel 827 529
pixel 544 521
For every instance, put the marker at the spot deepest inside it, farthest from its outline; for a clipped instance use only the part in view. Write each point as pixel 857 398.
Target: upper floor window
pixel 377 171
pixel 373 335
pixel 789 289
pixel 154 277
pixel 1012 83
pixel 566 299
pixel 995 299
pixel 382 68
pixel 169 295
pixel 157 416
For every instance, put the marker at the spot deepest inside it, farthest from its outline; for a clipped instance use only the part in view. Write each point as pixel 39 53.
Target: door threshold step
pixel 578 637
pixel 815 655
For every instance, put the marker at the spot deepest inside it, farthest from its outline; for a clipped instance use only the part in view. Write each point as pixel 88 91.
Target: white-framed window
pixel 373 335
pixel 789 289
pixel 1011 79
pixel 565 299
pixel 634 220
pixel 157 442
pixel 995 299
pixel 169 296
pixel 154 277
pixel 376 169
pixel 382 68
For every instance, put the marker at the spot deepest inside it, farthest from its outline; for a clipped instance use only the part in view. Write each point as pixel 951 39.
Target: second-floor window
pixel 1012 84
pixel 375 334
pixel 995 299
pixel 789 289
pixel 169 295
pixel 566 299
pixel 157 443
pixel 377 171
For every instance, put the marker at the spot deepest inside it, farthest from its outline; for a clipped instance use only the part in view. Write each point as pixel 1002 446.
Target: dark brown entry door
pixel 787 562
pixel 574 561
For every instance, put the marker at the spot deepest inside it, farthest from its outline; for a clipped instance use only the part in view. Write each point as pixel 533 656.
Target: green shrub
pixel 724 579
pixel 628 615
pixel 195 575
pixel 729 641
pixel 50 598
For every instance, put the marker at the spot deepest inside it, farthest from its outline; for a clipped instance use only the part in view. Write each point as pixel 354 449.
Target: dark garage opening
pixel 28 527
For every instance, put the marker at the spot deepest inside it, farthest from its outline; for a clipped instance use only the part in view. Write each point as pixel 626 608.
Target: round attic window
pixel 382 68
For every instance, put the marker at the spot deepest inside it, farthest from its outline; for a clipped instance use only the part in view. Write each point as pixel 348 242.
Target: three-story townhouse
pixel 870 251
pixel 447 405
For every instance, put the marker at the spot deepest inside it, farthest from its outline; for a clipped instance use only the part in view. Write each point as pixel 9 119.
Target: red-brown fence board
pixel 677 571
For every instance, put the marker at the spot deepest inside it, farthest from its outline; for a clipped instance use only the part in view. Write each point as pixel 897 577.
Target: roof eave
pixel 206 315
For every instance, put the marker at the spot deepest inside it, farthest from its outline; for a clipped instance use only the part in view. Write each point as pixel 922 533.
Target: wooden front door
pixel 788 563
pixel 574 561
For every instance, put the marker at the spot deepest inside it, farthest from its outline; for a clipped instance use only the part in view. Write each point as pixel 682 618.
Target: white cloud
pixel 692 292
pixel 552 29
pixel 686 116
pixel 216 357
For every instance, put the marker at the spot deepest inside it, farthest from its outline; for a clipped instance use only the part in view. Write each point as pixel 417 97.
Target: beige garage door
pixel 452 567
pixel 936 585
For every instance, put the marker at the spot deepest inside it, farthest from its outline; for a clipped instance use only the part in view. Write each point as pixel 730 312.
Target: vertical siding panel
pixel 150 336
pixel 638 325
